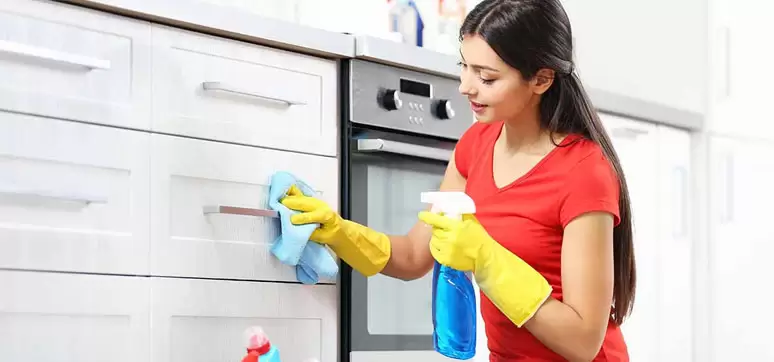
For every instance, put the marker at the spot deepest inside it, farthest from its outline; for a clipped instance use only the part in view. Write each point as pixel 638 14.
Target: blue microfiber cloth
pixel 292 246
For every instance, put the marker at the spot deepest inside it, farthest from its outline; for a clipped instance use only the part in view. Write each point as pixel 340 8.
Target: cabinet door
pixel 205 320
pixel 636 145
pixel 675 248
pixel 73 317
pixel 740 87
pixel 73 197
pixel 191 178
pixel 66 62
pixel 637 49
pixel 741 248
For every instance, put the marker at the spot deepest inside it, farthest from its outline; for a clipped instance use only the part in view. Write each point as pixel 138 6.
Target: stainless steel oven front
pixel 399 130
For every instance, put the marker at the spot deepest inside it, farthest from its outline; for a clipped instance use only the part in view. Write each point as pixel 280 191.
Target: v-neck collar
pixel 490 161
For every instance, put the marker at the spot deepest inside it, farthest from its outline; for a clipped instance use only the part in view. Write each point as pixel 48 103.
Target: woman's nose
pixel 465 87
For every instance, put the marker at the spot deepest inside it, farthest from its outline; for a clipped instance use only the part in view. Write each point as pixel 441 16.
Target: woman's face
pixel 496 91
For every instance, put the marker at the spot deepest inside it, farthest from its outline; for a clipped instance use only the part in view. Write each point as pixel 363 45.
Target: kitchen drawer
pixel 71 63
pixel 219 89
pixel 205 320
pixel 189 176
pixel 73 196
pixel 73 317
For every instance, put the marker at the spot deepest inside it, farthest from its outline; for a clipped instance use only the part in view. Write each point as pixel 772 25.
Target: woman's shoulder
pixel 479 129
pixel 472 141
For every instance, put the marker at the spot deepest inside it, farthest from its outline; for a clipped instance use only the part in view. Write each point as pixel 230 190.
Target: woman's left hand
pixel 511 284
pixel 456 243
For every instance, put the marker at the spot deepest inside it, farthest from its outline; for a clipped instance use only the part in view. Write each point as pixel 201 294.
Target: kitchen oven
pixel 399 130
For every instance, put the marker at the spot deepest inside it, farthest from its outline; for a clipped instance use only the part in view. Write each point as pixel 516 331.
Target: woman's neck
pixel 523 134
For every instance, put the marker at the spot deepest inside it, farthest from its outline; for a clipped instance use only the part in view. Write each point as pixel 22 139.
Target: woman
pixel 551 243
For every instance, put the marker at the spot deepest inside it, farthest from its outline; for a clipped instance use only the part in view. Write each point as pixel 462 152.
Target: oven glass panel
pixel 390 314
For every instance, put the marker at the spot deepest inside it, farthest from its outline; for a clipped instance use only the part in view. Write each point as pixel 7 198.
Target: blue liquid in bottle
pixel 454 313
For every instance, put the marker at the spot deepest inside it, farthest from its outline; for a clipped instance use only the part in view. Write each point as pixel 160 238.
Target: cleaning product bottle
pixel 406 20
pixel 259 349
pixel 454 299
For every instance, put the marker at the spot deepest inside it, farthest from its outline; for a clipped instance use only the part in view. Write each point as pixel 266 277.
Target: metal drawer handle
pixel 408 149
pixel 52 56
pixel 236 210
pixel 222 87
pixel 82 199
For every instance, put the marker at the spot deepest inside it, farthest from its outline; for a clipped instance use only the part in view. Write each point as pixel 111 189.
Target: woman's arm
pixel 575 328
pixel 411 258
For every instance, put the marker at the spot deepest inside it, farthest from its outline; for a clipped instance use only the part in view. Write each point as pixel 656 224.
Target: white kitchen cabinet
pixel 70 63
pixel 73 317
pixel 637 146
pixel 675 243
pixel 189 177
pixel 740 83
pixel 205 320
pixel 224 90
pixel 73 197
pixel 742 175
pixel 649 50
pixel 656 162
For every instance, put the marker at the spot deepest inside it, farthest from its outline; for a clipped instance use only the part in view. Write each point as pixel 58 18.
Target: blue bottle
pixel 454 313
pixel 454 299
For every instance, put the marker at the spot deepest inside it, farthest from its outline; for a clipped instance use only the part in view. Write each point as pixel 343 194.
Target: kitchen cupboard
pixel 135 160
pixel 741 176
pixel 656 164
pixel 741 82
pixel 653 51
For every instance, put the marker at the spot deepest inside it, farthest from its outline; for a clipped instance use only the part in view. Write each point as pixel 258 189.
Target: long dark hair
pixel 530 35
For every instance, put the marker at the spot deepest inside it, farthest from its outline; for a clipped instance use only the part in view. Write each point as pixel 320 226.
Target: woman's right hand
pixel 363 248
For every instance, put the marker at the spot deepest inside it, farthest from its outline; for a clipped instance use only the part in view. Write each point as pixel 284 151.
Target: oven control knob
pixel 443 109
pixel 390 100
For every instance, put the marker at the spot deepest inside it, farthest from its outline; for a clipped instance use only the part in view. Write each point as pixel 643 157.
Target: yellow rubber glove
pixel 511 284
pixel 363 248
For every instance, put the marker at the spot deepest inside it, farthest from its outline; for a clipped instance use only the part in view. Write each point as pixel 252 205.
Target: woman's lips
pixel 477 107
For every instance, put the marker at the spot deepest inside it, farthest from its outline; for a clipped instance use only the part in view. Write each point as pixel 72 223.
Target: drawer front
pixel 189 176
pixel 84 318
pixel 66 62
pixel 229 91
pixel 205 320
pixel 73 197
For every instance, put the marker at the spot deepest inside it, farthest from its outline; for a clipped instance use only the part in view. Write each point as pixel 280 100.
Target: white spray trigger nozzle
pixel 452 204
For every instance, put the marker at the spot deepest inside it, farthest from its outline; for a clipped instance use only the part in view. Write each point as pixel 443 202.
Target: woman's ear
pixel 542 80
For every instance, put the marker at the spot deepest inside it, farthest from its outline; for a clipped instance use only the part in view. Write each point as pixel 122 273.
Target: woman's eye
pixel 487 81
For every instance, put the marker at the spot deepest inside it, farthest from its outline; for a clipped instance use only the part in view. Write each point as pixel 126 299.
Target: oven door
pixel 390 319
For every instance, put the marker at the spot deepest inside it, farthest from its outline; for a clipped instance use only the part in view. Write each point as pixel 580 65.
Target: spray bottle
pixel 258 347
pixel 454 299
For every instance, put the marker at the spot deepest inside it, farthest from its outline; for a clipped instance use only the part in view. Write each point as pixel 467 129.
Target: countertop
pixel 244 26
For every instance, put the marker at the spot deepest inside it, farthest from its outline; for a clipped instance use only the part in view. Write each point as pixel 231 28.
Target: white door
pixel 637 146
pixel 740 248
pixel 675 243
pixel 205 320
pixel 73 317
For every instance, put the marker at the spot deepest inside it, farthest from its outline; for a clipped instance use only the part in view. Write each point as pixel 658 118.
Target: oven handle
pixel 401 148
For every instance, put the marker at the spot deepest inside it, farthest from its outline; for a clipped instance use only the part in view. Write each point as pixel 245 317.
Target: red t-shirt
pixel 528 217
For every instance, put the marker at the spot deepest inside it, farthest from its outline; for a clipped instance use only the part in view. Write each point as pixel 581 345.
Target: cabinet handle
pixel 226 88
pixel 681 199
pixel 52 56
pixel 728 194
pixel 44 195
pixel 726 35
pixel 236 210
